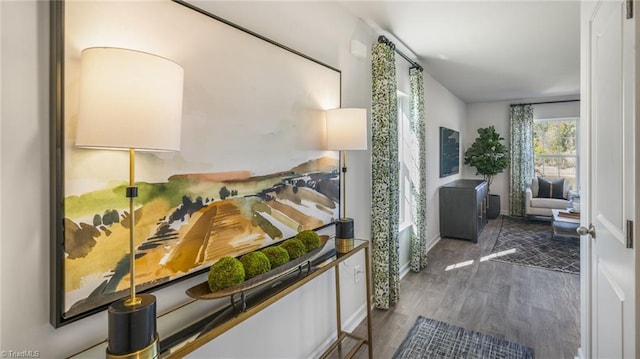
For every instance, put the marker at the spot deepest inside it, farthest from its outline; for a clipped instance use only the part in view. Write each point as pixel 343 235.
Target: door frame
pixel 585 177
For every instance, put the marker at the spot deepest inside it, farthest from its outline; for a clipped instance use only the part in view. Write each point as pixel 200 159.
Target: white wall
pixel 481 115
pixel 25 182
pixel 556 110
pixel 442 108
pixel 25 236
pixel 484 114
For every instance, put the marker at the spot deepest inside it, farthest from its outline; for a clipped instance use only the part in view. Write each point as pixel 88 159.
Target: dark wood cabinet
pixel 463 209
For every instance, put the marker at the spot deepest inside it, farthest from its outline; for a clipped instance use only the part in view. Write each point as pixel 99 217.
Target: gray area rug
pixel 529 243
pixel 430 338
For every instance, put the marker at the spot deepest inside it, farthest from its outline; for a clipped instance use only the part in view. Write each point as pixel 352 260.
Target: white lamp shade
pixel 129 99
pixel 347 129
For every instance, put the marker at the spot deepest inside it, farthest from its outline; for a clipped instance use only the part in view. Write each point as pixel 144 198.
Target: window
pixel 555 148
pixel 405 158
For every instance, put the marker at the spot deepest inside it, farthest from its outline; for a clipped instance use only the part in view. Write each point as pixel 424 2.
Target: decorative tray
pixel 202 291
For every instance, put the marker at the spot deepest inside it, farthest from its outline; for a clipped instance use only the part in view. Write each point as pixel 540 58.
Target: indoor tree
pixel 489 156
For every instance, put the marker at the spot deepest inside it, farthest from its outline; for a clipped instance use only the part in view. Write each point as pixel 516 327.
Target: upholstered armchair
pixel 547 194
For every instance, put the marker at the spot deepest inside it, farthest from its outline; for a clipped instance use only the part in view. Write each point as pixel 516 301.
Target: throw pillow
pixel 534 187
pixel 550 188
pixel 567 188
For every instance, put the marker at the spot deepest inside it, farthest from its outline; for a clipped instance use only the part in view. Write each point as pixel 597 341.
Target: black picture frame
pixel 59 316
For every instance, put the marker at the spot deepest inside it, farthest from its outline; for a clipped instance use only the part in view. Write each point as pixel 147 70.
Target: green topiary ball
pixel 225 273
pixel 310 239
pixel 277 256
pixel 255 263
pixel 294 247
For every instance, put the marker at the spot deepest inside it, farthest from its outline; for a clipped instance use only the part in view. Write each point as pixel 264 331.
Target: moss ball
pixel 294 247
pixel 255 263
pixel 277 256
pixel 225 273
pixel 310 239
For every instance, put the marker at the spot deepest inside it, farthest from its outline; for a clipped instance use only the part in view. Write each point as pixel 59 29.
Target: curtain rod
pixel 542 103
pixel 383 40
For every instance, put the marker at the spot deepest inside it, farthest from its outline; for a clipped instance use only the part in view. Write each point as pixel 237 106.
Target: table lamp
pixel 346 130
pixel 130 100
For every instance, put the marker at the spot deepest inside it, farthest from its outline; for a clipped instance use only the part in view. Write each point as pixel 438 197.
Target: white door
pixel 610 103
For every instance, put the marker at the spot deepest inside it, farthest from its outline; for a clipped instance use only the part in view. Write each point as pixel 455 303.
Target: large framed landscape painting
pixel 251 170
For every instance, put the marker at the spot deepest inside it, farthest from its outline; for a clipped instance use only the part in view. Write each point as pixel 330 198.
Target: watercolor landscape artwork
pixel 187 223
pixel 252 169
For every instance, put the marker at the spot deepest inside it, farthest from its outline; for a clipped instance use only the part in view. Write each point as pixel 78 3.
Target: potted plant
pixel 489 156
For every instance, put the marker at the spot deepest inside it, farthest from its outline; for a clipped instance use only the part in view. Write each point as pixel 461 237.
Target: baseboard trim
pixel 349 325
pixel 406 268
pixel 431 243
pixel 359 315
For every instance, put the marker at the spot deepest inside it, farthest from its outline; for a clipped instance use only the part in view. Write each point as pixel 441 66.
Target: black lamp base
pixel 132 329
pixel 344 235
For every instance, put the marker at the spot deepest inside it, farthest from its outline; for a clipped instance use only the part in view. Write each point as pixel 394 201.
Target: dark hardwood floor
pixel 534 307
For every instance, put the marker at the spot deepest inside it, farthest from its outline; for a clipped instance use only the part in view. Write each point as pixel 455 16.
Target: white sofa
pixel 535 206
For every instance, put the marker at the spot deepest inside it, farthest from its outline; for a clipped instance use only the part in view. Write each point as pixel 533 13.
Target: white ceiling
pixel 487 50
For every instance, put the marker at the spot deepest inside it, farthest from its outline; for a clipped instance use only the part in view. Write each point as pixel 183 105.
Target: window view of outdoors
pixel 405 149
pixel 555 151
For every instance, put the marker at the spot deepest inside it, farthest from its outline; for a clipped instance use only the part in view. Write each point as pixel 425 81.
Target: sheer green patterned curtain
pixel 385 178
pixel 418 172
pixel 521 153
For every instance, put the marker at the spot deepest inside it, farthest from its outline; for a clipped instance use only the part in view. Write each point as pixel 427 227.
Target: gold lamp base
pixel 344 245
pixel 150 352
